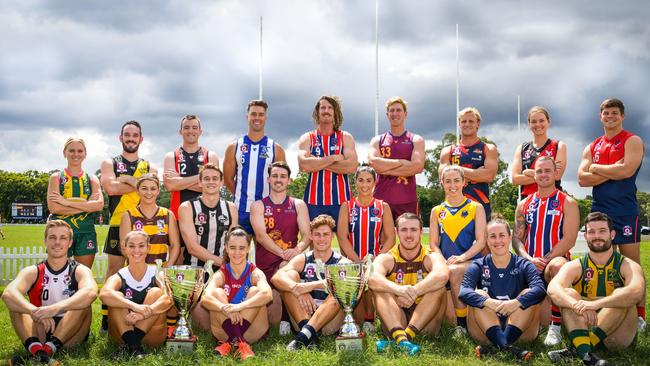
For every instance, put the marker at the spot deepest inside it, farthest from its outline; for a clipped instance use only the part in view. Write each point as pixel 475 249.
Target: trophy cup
pixel 346 282
pixel 184 284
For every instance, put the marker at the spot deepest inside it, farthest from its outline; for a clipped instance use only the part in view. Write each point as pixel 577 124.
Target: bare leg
pixel 25 327
pixel 456 274
pixel 275 309
pixel 328 317
pixel 620 326
pixel 86 260
pixel 391 314
pixel 74 327
pixel 217 318
pixel 479 321
pixel 428 314
pixel 528 321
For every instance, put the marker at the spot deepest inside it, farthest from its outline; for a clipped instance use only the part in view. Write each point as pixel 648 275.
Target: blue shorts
pixel 244 221
pixel 627 228
pixel 332 210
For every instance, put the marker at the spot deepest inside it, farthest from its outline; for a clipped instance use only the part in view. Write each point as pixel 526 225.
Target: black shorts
pixel 112 245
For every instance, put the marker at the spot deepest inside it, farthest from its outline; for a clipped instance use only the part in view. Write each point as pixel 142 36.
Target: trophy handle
pixel 320 266
pixel 368 271
pixel 208 268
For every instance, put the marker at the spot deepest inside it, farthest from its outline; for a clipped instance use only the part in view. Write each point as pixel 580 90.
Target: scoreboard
pixel 27 211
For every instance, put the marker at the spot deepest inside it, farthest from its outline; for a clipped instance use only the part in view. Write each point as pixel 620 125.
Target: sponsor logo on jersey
pixel 456 150
pixel 399 278
pixel 342 273
pixel 553 213
pixel 478 151
pixel 200 157
pixel 527 154
pixel 138 225
pixel 181 157
pixel 64 178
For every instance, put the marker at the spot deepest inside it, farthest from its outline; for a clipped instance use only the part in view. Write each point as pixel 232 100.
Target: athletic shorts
pixel 112 245
pixel 627 228
pixel 270 271
pixel 399 208
pixel 244 221
pixel 83 243
pixel 332 210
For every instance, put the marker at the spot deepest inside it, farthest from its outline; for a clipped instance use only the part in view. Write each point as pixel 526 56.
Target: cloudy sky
pixel 84 67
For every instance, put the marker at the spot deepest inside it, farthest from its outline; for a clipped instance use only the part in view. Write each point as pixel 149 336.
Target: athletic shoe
pixel 383 345
pixel 520 354
pixel 484 351
pixel 137 352
pixel 553 337
pixel 641 325
pixel 244 349
pixel 593 360
pixel 562 355
pixel 285 328
pixel 368 327
pixel 18 361
pixel 223 349
pixel 294 345
pixel 459 332
pixel 411 349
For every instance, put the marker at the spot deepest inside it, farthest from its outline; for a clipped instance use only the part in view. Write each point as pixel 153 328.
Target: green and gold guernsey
pixel 597 282
pixel 118 205
pixel 76 188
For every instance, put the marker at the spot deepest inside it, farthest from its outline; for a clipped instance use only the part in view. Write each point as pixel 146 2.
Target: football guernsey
pixel 390 188
pixel 52 286
pixel 457 227
pixel 187 165
pixel 544 220
pixel 157 227
pixel 324 187
pixel 473 157
pixel 529 155
pixel 365 225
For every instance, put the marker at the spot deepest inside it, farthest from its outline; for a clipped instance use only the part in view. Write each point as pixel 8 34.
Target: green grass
pixel 441 350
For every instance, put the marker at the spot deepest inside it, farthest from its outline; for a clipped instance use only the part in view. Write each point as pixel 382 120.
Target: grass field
pixel 441 350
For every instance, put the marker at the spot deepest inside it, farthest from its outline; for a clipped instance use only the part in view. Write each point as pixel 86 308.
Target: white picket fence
pixel 12 260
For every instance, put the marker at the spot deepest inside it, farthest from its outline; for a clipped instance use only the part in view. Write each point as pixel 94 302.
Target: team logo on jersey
pixel 180 277
pixel 464 214
pixel 200 157
pixel 268 211
pixel 309 272
pixel 399 278
pixel 201 218
pixel 67 279
pixel 46 279
pixel 354 212
pixel 64 178
pixel 160 224
pixel 244 148
pixel 527 154
pixel 456 151
pixel 549 153
pixel 554 204
pixel 90 244
pixel 121 167
pixel 181 158
pixel 486 272
pixel 627 230
pixel 128 293
pixel 138 225
pixel 264 152
pixel 222 219
pixel 589 274
pixel 374 211
pixel 442 215
pixel 226 289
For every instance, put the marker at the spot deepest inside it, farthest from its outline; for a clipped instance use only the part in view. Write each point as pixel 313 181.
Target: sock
pixel 104 313
pixel 302 323
pixel 307 332
pixel 580 340
pixel 233 331
pixel 597 336
pixel 556 316
pixel 130 339
pixel 640 312
pixel 461 317
pixel 512 333
pixel 138 334
pixel 54 344
pixel 398 334
pixel 285 314
pixel 245 324
pixel 171 320
pixel 496 336
pixel 411 331
pixel 33 345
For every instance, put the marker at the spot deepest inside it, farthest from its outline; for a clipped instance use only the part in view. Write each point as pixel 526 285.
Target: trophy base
pixel 181 345
pixel 353 344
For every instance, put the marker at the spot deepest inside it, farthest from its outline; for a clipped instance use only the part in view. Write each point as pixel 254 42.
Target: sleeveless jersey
pixel 457 227
pixel 157 227
pixel 365 224
pixel 251 178
pixel 211 225
pixel 408 272
pixel 281 221
pixel 134 290
pixel 390 188
pixel 529 155
pixel 117 205
pixel 544 218
pixel 324 187
pixel 52 286
pixel 614 197
pixel 597 282
pixel 308 273
pixel 237 288
pixel 78 188
pixel 186 165
pixel 473 157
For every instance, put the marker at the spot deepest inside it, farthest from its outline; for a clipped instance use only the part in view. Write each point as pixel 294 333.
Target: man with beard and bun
pixel 328 155
pixel 478 159
pixel 611 164
pixel 181 166
pixel 597 294
pixel 204 222
pixel 546 227
pixel 119 177
pixel 277 219
pixel 247 160
pixel 408 285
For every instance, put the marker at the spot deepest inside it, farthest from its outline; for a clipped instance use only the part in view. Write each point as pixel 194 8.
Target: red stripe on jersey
pixel 314 175
pixel 340 177
pixel 327 174
pixel 365 223
pixel 377 234
pixel 36 291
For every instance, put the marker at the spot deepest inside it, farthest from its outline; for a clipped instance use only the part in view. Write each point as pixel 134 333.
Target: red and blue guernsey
pixel 529 156
pixel 545 219
pixel 281 221
pixel 324 187
pixel 390 188
pixel 237 288
pixel 472 157
pixel 365 224
pixel 614 197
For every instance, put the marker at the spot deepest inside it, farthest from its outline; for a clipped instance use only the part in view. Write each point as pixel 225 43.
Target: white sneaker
pixel 459 332
pixel 641 325
pixel 285 328
pixel 554 336
pixel 368 327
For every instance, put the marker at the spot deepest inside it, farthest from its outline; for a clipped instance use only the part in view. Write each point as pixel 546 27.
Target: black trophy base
pixel 350 344
pixel 185 346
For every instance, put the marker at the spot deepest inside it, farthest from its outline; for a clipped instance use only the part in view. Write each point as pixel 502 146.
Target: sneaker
pixel 43 356
pixel 553 337
pixel 641 325
pixel 484 351
pixel 411 349
pixel 313 343
pixel 383 345
pixel 137 352
pixel 520 354
pixel 561 355
pixel 285 328
pixel 593 360
pixel 223 349
pixel 368 327
pixel 244 349
pixel 18 361
pixel 294 345
pixel 459 332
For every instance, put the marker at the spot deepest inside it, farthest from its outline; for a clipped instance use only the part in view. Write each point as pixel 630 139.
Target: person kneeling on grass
pixel 502 291
pixel 236 298
pixel 137 306
pixel 304 295
pixel 408 285
pixel 597 294
pixel 57 313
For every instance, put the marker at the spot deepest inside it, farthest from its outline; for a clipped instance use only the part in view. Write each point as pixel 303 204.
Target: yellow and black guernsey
pixel 408 271
pixel 76 188
pixel 118 205
pixel 456 226
pixel 597 282
pixel 157 227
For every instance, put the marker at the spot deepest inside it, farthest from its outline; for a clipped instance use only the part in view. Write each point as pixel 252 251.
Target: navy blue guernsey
pixel 502 283
pixel 308 273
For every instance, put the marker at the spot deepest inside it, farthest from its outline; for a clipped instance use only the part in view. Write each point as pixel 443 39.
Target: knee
pixel 152 295
pixel 554 266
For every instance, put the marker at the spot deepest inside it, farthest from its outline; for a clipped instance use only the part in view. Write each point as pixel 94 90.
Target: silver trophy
pixel 184 284
pixel 347 282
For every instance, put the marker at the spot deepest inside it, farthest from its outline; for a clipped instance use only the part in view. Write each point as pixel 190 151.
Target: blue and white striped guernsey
pixel 253 160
